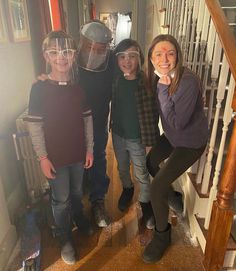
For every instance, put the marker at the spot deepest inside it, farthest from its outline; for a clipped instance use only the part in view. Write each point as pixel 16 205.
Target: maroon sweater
pixel 61 108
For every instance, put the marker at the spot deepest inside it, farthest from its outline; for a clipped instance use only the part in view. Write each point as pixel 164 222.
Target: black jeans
pixel 98 181
pixel 180 159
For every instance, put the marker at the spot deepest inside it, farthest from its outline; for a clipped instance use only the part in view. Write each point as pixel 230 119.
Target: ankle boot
pixel 148 216
pixel 125 198
pixel 158 245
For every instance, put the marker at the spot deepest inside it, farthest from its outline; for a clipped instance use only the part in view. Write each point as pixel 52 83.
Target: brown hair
pixel 152 78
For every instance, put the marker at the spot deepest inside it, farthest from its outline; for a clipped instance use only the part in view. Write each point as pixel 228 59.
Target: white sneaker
pixel 150 223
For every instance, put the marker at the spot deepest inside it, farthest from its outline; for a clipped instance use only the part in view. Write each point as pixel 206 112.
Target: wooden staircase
pixel 208 46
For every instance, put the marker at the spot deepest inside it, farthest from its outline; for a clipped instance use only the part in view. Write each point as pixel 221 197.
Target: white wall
pixel 16 77
pixel 156 24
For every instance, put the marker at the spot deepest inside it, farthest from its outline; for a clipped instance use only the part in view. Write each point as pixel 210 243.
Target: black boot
pixel 83 225
pixel 158 245
pixel 148 216
pixel 125 198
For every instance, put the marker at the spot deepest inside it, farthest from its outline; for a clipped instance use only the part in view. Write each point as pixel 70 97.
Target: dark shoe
pixel 84 226
pixel 158 245
pixel 125 198
pixel 148 216
pixel 67 251
pixel 100 216
pixel 175 201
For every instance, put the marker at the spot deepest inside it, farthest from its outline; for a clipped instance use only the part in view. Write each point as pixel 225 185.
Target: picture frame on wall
pixel 18 20
pixel 3 32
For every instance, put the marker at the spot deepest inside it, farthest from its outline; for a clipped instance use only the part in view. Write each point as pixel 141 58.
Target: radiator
pixel 36 183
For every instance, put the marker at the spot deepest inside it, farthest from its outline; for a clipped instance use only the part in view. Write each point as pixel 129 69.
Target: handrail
pixel 226 36
pixel 222 214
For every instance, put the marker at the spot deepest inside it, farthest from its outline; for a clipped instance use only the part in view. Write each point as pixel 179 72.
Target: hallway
pixel 119 246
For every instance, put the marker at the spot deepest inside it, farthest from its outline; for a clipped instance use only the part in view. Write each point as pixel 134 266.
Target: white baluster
pixel 204 40
pixel 168 14
pixel 194 24
pixel 208 55
pixel 162 14
pixel 219 97
pixel 176 28
pixel 183 44
pixel 173 18
pixel 214 75
pixel 226 119
pixel 188 29
pixel 198 35
pixel 181 22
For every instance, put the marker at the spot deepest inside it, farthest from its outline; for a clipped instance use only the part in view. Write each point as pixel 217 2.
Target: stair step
pixel 227 3
pixel 198 186
pixel 231 242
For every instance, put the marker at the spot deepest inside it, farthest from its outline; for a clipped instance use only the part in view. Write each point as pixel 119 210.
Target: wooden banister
pixel 222 213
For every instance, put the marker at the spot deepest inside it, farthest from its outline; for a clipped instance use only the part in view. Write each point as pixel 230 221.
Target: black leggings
pixel 180 159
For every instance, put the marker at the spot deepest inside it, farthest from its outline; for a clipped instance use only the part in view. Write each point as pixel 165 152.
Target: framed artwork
pixel 3 37
pixel 18 20
pixel 103 16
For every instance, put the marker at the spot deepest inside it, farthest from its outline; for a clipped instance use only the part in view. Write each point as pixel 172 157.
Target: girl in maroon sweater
pixel 61 129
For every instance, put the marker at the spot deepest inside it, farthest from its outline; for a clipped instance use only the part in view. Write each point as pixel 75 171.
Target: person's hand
pixel 48 168
pixel 165 80
pixel 89 160
pixel 42 77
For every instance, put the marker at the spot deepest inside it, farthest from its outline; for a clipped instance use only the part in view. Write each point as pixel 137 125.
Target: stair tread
pixel 231 242
pixel 197 187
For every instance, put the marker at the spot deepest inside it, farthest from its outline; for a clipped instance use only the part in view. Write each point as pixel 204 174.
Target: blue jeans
pixel 97 177
pixel 127 150
pixel 66 191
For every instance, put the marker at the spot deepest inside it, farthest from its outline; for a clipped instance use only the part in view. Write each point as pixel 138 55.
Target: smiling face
pixel 164 57
pixel 60 59
pixel 128 62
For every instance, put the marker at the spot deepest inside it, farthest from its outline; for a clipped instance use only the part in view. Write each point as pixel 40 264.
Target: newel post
pixel 222 213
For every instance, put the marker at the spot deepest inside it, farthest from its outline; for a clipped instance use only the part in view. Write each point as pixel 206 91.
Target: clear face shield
pixel 60 56
pixel 93 56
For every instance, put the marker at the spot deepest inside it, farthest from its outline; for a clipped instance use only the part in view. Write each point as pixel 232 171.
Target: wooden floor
pixel 119 247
